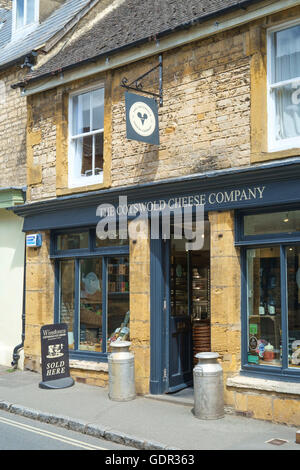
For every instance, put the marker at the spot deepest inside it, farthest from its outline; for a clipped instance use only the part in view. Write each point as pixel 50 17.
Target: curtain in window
pixel 286 66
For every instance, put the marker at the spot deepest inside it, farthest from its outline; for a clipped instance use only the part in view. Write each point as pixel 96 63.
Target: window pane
pixel 73 241
pixel 287 54
pixel 81 114
pixel 287 123
pixel 293 284
pixel 98 154
pixel 179 278
pixel 98 109
pixel 67 297
pixel 83 156
pixel 264 306
pixel 30 11
pixel 276 222
pixel 20 14
pixel 100 243
pixel 117 299
pixel 91 305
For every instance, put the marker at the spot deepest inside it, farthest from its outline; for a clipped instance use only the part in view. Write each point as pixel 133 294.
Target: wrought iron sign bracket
pixel 136 85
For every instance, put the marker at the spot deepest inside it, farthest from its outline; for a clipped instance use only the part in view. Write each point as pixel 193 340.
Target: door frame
pixel 159 316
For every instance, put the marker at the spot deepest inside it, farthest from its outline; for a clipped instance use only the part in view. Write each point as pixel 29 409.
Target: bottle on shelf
pixel 271 305
pixel 261 309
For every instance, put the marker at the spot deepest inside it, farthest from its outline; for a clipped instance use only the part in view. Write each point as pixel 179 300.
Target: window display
pixel 91 304
pixel 264 306
pixel 67 297
pixel 101 314
pixel 118 299
pixel 293 292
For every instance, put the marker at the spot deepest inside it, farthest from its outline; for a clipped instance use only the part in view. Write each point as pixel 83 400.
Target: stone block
pixel 241 401
pixel 286 411
pixel 260 406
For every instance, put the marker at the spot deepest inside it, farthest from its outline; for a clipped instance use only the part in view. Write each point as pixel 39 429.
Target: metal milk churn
pixel 208 387
pixel 121 372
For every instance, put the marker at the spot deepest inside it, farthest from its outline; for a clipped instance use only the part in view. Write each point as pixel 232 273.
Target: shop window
pixel 72 241
pixel 270 293
pixel 273 223
pixel 86 132
pixel 264 306
pixel 284 87
pixel 92 294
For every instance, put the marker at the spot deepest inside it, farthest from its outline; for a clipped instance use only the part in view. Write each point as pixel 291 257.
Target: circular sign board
pixel 142 119
pixel 253 343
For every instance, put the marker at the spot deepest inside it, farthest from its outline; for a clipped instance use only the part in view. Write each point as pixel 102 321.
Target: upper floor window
pixel 284 87
pixel 86 129
pixel 25 15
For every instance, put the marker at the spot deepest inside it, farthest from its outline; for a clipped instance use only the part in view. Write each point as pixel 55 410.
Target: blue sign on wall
pixel 141 118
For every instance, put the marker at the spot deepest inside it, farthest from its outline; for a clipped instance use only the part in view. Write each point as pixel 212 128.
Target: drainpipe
pixel 16 355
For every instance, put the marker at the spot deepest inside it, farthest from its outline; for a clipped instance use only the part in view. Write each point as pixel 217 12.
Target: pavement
pixel 143 423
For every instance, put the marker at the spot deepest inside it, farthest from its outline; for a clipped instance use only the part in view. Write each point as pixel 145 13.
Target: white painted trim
pixel 78 182
pixel 273 144
pixel 177 39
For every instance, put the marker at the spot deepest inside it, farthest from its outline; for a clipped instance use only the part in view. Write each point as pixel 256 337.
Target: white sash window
pixel 86 131
pixel 284 87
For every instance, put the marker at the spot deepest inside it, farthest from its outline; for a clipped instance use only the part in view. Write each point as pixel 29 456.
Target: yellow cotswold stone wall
pixel 39 300
pixel 140 306
pixel 225 296
pixel 13 116
pixel 204 123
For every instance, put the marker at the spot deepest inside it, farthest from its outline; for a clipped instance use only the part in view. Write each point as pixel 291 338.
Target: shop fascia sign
pixel 213 200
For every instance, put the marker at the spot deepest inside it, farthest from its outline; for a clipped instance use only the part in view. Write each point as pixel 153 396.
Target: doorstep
pixel 183 397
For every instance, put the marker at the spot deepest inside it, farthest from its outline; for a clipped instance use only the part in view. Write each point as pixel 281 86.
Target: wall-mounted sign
pixel 141 118
pixel 55 356
pixel 34 240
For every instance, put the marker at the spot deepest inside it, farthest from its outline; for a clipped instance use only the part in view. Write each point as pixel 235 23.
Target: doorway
pixel 189 310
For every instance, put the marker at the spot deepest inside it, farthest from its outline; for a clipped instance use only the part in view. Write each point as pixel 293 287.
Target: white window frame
pixel 17 33
pixel 273 144
pixel 73 180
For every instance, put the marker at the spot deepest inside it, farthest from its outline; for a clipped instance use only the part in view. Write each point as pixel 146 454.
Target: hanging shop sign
pixel 55 357
pixel 141 118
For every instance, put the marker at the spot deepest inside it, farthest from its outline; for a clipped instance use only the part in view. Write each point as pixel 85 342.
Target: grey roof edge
pixel 240 5
pixel 65 29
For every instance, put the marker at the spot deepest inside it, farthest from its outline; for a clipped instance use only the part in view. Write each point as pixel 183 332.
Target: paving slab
pixel 142 422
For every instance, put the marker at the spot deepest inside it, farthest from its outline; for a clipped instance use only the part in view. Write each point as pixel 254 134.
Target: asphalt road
pixel 18 433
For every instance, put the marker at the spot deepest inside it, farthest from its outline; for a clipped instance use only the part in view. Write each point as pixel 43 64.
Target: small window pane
pixel 84 154
pixel 67 298
pixel 81 114
pixel 98 109
pixel 110 241
pixel 117 299
pixel 98 154
pixel 272 223
pixel 293 289
pixel 91 305
pixel 287 54
pixel 20 14
pixel 73 241
pixel 30 11
pixel 287 112
pixel 264 306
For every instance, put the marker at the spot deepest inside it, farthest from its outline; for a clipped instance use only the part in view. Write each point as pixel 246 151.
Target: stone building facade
pixel 213 133
pixel 16 58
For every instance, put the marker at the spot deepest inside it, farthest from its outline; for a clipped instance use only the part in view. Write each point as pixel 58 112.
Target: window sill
pixel 265 385
pixel 88 365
